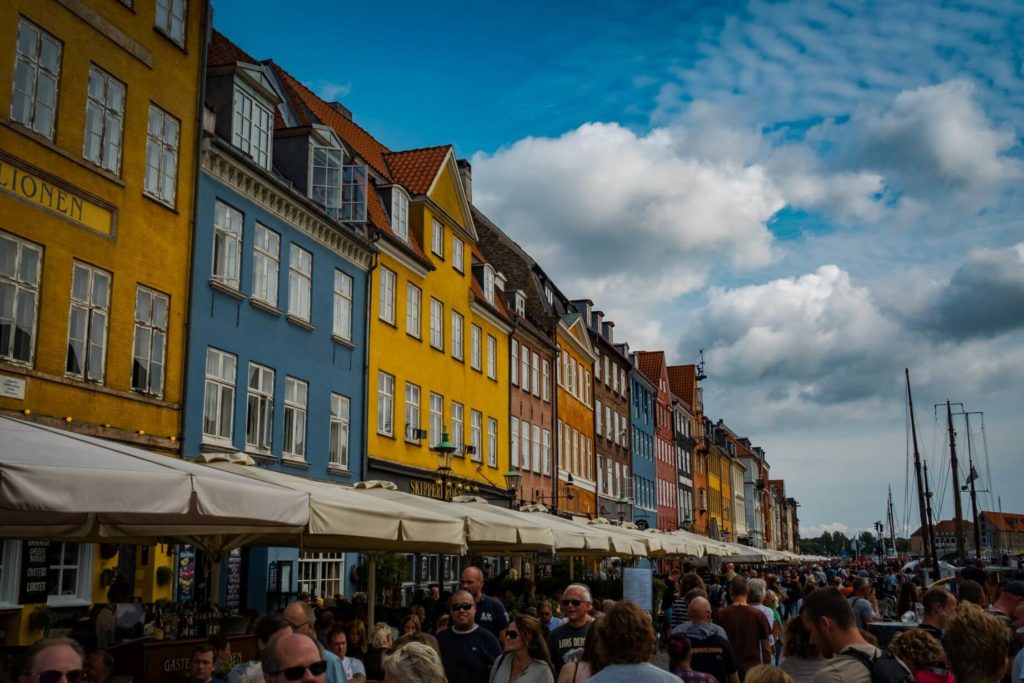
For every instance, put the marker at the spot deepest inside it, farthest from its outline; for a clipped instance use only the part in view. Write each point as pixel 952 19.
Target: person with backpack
pixel 830 619
pixel 864 603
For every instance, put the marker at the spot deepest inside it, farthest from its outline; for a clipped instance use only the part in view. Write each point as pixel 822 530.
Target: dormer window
pixel 489 284
pixel 549 294
pixel 325 188
pixel 400 213
pixel 354 191
pixel 520 303
pixel 252 127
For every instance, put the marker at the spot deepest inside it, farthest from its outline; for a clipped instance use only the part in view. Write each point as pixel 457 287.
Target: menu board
pixel 233 591
pixel 36 579
pixel 638 586
pixel 186 573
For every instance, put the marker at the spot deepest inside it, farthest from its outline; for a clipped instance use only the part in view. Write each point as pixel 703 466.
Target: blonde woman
pixel 413 663
pixel 380 642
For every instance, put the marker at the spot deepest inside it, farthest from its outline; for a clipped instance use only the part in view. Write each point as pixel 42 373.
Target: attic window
pixel 549 295
pixel 354 185
pixel 400 213
pixel 520 303
pixel 489 284
pixel 325 188
pixel 253 127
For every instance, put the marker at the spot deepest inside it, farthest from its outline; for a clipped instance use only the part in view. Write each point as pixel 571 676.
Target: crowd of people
pixel 797 625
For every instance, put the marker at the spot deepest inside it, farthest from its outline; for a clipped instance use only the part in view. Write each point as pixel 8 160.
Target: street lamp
pixel 622 502
pixel 444 451
pixel 512 479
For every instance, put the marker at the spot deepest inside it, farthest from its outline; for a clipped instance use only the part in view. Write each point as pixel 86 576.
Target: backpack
pixel 884 668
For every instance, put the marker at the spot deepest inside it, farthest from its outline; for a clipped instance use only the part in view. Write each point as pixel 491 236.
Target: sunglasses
pixel 73 676
pixel 295 673
pixel 573 603
pixel 511 635
pixel 462 607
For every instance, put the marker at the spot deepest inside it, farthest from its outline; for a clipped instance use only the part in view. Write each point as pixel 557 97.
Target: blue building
pixel 642 394
pixel 277 345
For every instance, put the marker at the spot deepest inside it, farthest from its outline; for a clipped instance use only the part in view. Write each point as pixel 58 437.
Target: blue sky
pixel 817 194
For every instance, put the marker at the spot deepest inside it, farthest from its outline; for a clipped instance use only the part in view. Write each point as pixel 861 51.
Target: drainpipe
pixel 366 359
pixel 554 422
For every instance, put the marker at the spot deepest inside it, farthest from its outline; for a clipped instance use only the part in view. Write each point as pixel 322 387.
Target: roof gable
pixel 573 326
pixel 652 364
pixel 432 172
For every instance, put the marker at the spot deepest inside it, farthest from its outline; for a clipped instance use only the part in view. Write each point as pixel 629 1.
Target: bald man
pixel 490 613
pixel 710 650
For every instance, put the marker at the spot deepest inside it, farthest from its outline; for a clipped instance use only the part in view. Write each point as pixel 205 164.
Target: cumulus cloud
pixel 331 91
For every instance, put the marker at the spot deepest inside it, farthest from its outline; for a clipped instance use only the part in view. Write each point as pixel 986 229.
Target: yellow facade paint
pixel 576 416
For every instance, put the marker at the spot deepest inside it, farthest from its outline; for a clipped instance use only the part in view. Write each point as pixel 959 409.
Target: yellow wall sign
pixel 55 196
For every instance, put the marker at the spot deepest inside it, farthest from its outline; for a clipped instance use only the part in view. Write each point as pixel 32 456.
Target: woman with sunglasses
pixel 526 658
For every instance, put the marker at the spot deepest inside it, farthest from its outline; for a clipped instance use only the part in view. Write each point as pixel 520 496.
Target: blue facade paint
pixel 642 417
pixel 222 321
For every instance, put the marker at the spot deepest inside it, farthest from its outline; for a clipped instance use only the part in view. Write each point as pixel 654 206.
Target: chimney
pixel 466 173
pixel 607 331
pixel 583 307
pixel 341 109
pixel 596 318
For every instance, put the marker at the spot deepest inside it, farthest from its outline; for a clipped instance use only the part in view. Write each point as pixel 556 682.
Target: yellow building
pixel 99 105
pixel 715 494
pixel 575 424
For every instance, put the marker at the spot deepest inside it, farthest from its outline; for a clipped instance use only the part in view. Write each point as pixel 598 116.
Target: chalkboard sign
pixel 36 559
pixel 233 592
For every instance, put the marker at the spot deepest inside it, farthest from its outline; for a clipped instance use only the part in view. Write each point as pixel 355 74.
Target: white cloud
pixel 330 91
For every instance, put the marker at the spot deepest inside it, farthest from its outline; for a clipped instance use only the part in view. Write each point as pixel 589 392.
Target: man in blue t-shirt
pixel 490 613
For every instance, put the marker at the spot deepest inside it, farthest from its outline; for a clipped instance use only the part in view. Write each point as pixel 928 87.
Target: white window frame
pixel 492 442
pixel 412 411
pixel 524 446
pixel 300 283
pixel 489 284
pixel 343 305
pixel 546 464
pixel 296 402
pixel 266 264
pixel 326 163
pixel 105 110
pixel 436 418
pixel 340 431
pixel 437 237
pixel 458 254
pixel 170 20
pixel 386 295
pixel 83 578
pixel 524 367
pixel 322 573
pixel 97 319
pixel 22 286
pixel 458 435
pixel 400 213
pixel 514 367
pixel 228 231
pixel 262 395
pixel 475 350
pixel 476 426
pixel 385 403
pixel 458 332
pixel 537 452
pixel 436 324
pixel 597 418
pixel 150 338
pixel 535 376
pixel 163 134
pixel 520 300
pixel 252 127
pixel 545 377
pixel 219 393
pixel 413 310
pixel 492 357
pixel 514 441
pixel 41 73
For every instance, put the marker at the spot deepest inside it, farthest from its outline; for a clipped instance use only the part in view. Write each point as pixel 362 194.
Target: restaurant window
pixel 227 245
pixel 259 408
pixel 300 282
pixel 161 155
pixel 492 442
pixel 219 399
pixel 296 394
pixel 322 574
pixel 266 260
pixel 87 324
pixel 69 579
pixel 342 306
pixel 340 429
pixel 20 266
pixel 9 553
pixel 170 19
pixel 104 118
pixel 150 341
pixel 36 78
pixel 385 404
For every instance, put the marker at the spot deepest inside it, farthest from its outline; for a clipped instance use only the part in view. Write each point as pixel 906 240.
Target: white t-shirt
pixel 353 667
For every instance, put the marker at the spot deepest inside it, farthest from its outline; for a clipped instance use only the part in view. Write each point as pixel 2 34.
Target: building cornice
pixel 237 174
pixel 482 309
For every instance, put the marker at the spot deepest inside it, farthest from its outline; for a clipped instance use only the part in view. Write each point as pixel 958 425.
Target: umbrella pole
pixel 214 583
pixel 371 585
pixel 572 568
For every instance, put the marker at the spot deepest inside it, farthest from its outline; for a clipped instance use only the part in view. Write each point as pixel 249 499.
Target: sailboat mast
pixel 892 524
pixel 971 476
pixel 957 503
pixel 926 533
pixel 931 526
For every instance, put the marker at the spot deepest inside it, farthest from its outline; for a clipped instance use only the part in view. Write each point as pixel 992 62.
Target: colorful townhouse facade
pixel 642 394
pixel 280 274
pixel 532 359
pixel 575 416
pixel 612 436
pixel 99 113
pixel 681 382
pixel 652 365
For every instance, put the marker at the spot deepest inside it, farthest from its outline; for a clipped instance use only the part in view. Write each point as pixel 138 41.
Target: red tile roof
pixel 223 51
pixel 1005 521
pixel 415 169
pixel 683 381
pixel 650 363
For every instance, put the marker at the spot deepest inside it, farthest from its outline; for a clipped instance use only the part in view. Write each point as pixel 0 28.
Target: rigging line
pixel 907 478
pixel 990 485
